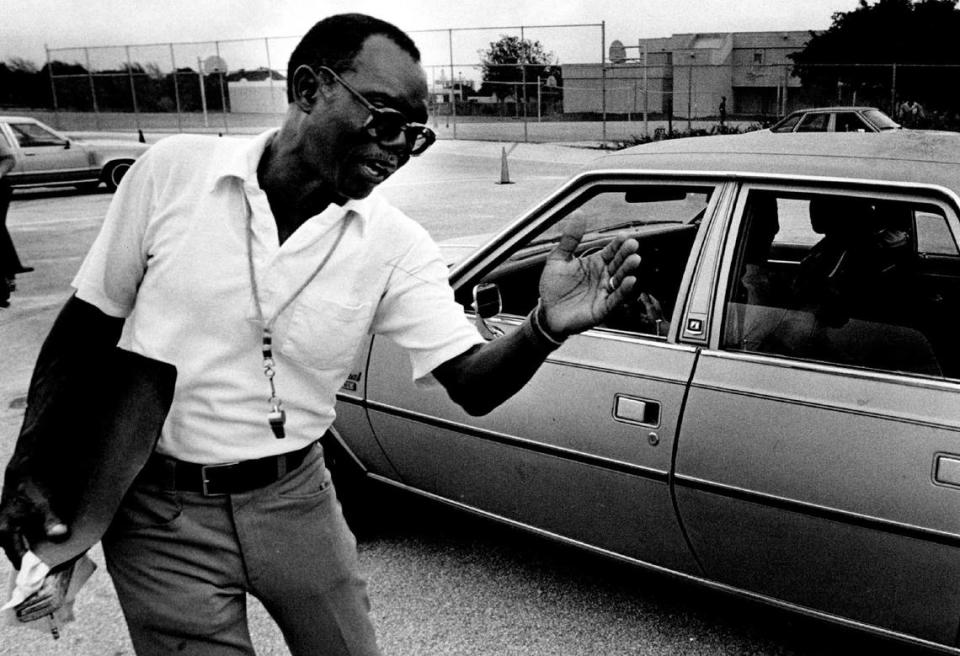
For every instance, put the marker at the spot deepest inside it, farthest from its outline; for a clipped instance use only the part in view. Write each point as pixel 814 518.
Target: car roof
pixel 837 108
pixel 904 156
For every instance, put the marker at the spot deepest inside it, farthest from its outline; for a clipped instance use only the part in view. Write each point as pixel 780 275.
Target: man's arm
pixel 575 295
pixel 77 342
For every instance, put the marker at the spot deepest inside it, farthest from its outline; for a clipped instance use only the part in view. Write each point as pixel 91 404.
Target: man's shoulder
pixel 190 145
pixel 387 217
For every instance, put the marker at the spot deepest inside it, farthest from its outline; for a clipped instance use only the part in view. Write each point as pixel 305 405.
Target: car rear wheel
pixel 114 173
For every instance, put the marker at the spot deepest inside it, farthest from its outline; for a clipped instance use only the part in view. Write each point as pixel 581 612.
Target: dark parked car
pixel 777 416
pixel 836 119
pixel 47 158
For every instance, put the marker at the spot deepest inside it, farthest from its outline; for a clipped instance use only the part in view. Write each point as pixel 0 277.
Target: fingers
pixel 569 240
pixel 626 265
pixel 47 599
pixel 53 526
pixel 621 293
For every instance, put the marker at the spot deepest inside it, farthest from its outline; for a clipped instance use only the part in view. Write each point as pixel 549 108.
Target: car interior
pixel 849 280
pixel 665 222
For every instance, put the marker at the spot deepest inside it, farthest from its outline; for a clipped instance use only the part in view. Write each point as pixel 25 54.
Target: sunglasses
pixel 386 124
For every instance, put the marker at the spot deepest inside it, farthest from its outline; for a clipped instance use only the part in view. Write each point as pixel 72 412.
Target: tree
pixel 510 61
pixel 860 47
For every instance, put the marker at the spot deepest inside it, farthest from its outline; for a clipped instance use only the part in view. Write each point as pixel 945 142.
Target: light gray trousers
pixel 182 565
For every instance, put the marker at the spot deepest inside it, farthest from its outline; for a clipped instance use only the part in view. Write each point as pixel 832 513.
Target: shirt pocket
pixel 325 334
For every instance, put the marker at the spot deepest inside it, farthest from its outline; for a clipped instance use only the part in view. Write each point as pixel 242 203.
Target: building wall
pixel 692 73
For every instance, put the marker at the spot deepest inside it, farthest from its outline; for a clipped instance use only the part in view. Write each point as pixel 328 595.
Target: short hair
pixel 335 41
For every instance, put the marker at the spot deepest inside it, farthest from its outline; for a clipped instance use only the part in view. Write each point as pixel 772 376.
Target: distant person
pixel 10 264
pixel 241 260
pixel 723 112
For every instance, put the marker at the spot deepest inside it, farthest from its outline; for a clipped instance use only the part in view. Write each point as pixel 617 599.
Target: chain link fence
pixel 573 94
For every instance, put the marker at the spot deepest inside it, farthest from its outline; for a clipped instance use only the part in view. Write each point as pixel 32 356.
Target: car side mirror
pixel 66 146
pixel 486 300
pixel 487 303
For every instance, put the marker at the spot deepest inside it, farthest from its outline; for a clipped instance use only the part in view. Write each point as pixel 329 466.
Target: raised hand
pixel 578 292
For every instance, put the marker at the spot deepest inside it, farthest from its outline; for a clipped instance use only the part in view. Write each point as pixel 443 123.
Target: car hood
pixel 456 249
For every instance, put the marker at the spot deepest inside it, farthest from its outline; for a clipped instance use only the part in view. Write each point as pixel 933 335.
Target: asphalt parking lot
pixel 440 583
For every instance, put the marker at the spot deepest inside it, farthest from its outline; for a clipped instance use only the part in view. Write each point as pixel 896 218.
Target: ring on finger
pixel 611 286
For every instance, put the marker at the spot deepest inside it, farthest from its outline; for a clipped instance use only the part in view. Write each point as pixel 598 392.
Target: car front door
pixel 819 456
pixel 582 452
pixel 46 156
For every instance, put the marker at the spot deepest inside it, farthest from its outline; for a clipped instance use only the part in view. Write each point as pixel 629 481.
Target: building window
pixel 758 57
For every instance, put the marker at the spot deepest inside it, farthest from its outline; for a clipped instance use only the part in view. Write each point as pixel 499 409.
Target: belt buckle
pixel 205 480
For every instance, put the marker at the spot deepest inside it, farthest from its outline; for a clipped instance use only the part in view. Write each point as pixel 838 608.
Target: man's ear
pixel 306 88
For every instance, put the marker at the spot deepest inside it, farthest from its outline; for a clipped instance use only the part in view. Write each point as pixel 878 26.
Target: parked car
pixel 836 119
pixel 786 427
pixel 46 157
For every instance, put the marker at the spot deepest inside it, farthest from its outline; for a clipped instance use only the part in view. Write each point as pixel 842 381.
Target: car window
pixel 664 218
pixel 880 120
pixel 851 122
pixel 787 124
pixel 841 278
pixel 814 123
pixel 31 134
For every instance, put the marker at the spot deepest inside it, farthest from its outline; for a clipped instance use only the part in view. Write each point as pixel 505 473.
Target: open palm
pixel 578 292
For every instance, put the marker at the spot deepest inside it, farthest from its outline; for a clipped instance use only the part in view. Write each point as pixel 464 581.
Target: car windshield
pixel 787 124
pixel 638 206
pixel 880 120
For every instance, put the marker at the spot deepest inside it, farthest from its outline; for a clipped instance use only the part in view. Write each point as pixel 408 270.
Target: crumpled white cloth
pixel 29 579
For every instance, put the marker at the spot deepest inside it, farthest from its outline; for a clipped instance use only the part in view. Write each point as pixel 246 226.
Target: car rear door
pixel 819 456
pixel 583 452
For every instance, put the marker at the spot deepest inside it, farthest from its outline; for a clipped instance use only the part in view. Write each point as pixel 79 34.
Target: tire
pixel 114 172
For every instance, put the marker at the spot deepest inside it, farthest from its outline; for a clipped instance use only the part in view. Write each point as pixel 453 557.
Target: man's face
pixel 334 141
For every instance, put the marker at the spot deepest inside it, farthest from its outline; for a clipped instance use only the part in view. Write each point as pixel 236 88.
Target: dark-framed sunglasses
pixel 386 124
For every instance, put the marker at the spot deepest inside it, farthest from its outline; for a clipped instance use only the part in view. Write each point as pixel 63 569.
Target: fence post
pixel 176 88
pixel 203 92
pixel 603 78
pixel 133 90
pixel 93 89
pixel 523 80
pixel 453 84
pixel 646 95
pixel 893 93
pixel 53 88
pixel 223 92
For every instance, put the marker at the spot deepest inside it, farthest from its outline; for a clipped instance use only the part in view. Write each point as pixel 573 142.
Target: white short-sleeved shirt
pixel 171 258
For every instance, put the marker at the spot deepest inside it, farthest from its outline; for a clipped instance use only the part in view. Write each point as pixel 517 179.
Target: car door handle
pixel 633 410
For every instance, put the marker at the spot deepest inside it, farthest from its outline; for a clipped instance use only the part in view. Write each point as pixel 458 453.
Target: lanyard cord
pixel 277 417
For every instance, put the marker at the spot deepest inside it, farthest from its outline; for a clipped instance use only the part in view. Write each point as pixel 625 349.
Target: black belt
pixel 215 480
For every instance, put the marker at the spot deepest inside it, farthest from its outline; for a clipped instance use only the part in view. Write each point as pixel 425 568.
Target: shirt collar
pixel 241 163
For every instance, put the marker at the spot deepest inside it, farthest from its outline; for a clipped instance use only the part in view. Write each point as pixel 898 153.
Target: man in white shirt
pixel 256 268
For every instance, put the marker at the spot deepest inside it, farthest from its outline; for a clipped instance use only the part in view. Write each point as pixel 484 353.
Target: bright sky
pixel 26 26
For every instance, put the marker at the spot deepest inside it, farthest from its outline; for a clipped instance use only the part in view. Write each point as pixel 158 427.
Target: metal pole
pixel 893 93
pixel 539 101
pixel 176 89
pixel 523 80
pixel 133 90
pixel 603 78
pixel 93 90
pixel 453 102
pixel 646 126
pixel 223 93
pixel 53 88
pixel 690 94
pixel 203 92
pixel 266 47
